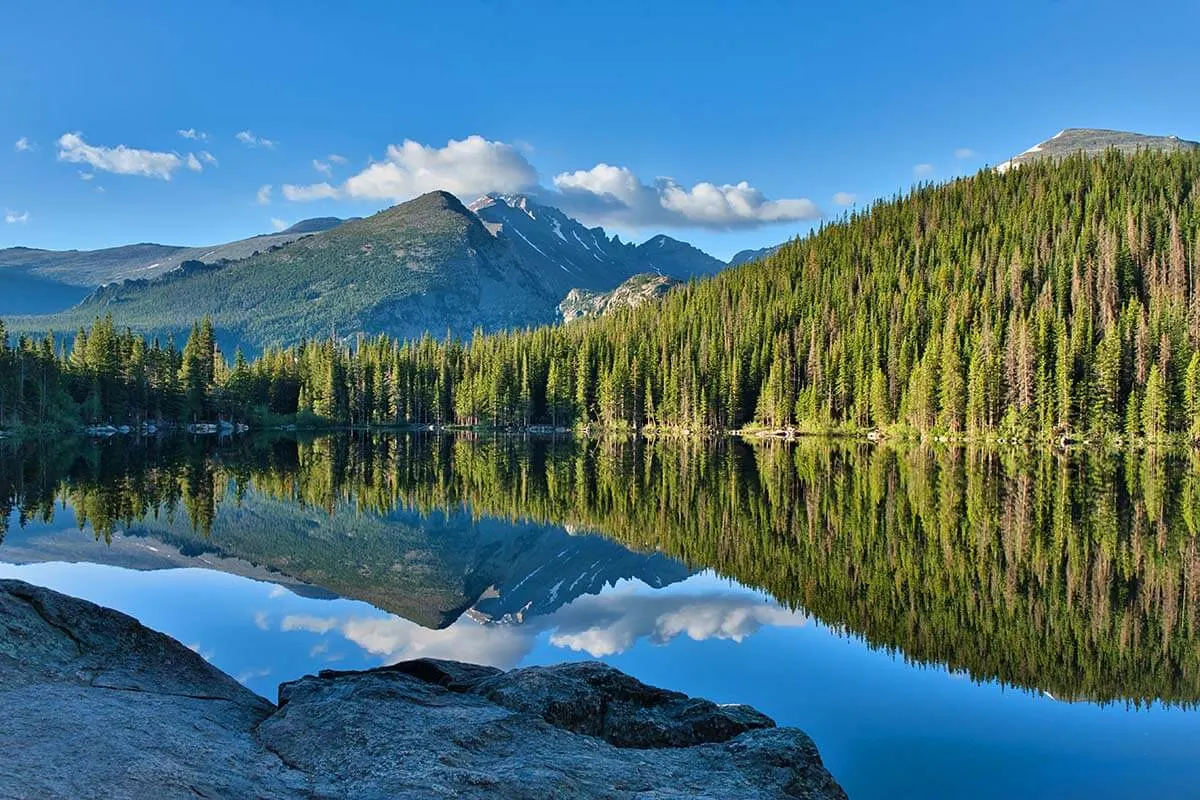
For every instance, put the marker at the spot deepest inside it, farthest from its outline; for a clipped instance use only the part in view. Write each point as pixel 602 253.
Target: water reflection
pixel 1071 574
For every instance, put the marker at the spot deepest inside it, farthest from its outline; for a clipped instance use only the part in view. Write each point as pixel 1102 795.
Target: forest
pixel 1055 299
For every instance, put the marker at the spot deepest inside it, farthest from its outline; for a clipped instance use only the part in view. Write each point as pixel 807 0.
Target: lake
pixel 944 622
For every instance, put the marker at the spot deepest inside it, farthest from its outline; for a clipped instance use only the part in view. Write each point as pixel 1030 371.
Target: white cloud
pixel 844 198
pixel 121 160
pixel 192 133
pixel 263 195
pixel 315 191
pixel 609 624
pixel 278 224
pixel 249 139
pixel 193 163
pixel 261 620
pixel 964 152
pixel 599 625
pixel 922 170
pixel 208 158
pixel 337 159
pixel 13 218
pixel 615 195
pixel 24 145
pixel 604 194
pixel 86 176
pixel 468 167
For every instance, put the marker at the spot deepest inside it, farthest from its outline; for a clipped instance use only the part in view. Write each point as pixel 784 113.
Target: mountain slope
pixel 746 256
pixel 668 256
pixel 571 256
pixel 36 281
pixel 425 265
pixel 1092 141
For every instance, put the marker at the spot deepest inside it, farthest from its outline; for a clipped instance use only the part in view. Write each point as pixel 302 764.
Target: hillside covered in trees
pixel 1060 297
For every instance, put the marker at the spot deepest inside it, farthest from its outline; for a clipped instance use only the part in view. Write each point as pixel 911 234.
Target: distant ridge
pixel 92 268
pixel 1070 141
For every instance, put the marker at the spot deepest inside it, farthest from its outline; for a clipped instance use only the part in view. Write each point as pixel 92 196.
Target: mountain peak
pixel 521 202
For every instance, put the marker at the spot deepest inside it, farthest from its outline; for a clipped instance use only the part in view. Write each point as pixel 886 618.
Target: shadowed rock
pixel 96 705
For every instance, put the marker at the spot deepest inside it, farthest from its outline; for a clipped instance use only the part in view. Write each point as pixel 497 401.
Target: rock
pixel 96 705
pixel 598 700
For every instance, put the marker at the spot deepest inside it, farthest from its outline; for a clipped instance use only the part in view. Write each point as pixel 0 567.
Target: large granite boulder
pixel 96 705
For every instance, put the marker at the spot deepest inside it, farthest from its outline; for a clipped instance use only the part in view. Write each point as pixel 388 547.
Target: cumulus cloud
pixel 337 159
pixel 23 145
pixel 261 620
pixel 121 160
pixel 468 167
pixel 208 158
pixel 14 218
pixel 263 195
pixel 607 194
pixel 86 176
pixel 964 152
pixel 599 625
pixel 314 191
pixel 278 224
pixel 193 163
pixel 249 139
pixel 607 625
pixel 845 198
pixel 192 133
pixel 922 170
pixel 604 194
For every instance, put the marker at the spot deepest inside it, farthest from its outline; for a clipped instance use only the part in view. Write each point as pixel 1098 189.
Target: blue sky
pixel 804 103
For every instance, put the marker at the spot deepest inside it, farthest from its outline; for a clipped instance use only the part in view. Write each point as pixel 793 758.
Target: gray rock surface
pixel 96 705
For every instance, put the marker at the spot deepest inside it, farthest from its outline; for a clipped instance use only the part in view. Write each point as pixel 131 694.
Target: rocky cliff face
pixel 96 706
pixel 632 293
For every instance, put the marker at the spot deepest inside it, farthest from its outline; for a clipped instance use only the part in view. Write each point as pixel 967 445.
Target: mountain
pixel 632 293
pixel 36 281
pixel 1093 141
pixel 425 265
pixel 746 256
pixel 668 256
pixel 428 265
pixel 572 256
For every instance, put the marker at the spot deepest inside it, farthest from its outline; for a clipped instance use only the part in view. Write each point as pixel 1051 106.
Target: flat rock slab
pixel 97 706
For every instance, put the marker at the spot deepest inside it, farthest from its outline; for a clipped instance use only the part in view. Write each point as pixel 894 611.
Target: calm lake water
pixel 943 622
